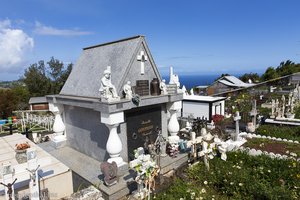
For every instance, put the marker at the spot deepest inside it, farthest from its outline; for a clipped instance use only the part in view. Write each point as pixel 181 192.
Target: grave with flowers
pixel 254 169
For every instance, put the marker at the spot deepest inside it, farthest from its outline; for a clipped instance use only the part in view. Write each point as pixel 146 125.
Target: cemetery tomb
pixel 51 172
pixel 100 123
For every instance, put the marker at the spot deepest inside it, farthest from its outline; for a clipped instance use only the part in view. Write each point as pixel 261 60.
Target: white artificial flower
pixel 293 154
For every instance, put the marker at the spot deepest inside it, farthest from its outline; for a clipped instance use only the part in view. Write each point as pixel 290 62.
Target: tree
pixel 285 68
pixel 58 75
pixel 254 77
pixel 8 102
pixel 36 79
pixel 269 74
pixel 22 94
pixel 42 80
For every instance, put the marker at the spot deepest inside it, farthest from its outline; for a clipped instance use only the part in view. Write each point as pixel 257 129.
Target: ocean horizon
pixel 190 81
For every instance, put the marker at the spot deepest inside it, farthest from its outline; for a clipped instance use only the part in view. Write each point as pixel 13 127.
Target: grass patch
pixel 240 177
pixel 290 133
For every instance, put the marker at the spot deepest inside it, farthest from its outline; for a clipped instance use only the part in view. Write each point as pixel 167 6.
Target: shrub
pixel 217 119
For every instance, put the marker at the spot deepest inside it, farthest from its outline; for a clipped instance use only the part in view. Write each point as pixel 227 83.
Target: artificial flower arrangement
pixel 22 146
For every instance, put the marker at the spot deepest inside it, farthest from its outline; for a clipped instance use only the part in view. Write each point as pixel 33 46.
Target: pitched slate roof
pixel 84 79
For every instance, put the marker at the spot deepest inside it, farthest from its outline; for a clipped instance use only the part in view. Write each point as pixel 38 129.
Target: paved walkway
pixel 89 169
pixel 78 162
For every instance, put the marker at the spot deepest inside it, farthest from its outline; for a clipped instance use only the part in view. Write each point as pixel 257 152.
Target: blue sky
pixel 194 36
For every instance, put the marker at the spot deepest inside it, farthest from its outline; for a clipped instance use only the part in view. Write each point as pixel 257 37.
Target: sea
pixel 190 81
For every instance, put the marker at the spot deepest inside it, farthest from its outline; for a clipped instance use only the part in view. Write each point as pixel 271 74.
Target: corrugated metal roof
pixel 234 82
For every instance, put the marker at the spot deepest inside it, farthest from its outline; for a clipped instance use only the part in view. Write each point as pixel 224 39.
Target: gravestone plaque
pixel 172 88
pixel 142 124
pixel 142 87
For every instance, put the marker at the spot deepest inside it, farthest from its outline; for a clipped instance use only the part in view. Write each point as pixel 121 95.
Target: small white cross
pixel 237 116
pixel 142 57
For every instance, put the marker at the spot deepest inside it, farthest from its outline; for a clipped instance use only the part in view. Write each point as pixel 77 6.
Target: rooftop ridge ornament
pixel 142 57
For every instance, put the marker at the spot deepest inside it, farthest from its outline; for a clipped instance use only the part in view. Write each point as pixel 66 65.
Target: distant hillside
pixel 7 84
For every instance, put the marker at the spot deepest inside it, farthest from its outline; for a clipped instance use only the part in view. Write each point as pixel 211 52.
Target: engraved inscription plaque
pixel 142 124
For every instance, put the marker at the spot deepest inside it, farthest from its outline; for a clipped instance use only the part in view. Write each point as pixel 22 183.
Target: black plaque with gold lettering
pixel 142 124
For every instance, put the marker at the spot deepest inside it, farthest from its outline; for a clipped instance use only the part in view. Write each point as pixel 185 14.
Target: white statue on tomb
pixel 292 104
pixel 295 93
pixel 174 79
pixel 279 113
pixel 276 107
pixel 283 105
pixel 192 92
pixel 163 87
pixel 273 108
pixel 127 90
pixel 184 91
pixel 107 89
pixel 290 98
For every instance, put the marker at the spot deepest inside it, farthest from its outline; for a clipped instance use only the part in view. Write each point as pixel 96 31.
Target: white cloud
pixel 14 44
pixel 48 30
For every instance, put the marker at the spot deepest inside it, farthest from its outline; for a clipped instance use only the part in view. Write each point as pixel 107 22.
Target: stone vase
pixel 58 125
pixel 154 87
pixel 114 145
pixel 173 126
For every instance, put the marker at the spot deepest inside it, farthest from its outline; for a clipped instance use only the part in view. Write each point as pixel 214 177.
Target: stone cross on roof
pixel 142 57
pixel 126 58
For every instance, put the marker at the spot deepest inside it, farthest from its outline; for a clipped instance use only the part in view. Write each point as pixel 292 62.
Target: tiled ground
pixel 49 166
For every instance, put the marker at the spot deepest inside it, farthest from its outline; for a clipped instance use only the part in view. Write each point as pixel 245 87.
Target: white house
pixel 202 106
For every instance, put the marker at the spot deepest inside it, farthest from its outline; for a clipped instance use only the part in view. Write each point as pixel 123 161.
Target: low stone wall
pixel 255 152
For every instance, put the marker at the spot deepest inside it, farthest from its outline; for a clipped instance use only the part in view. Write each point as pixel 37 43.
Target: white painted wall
pixel 218 108
pixel 198 109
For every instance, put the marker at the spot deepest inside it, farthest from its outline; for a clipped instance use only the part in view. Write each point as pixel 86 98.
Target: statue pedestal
pixel 58 138
pixel 58 141
pixel 173 126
